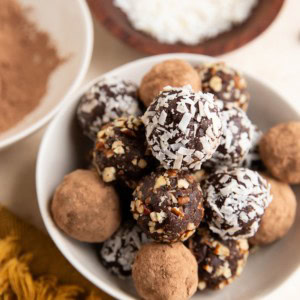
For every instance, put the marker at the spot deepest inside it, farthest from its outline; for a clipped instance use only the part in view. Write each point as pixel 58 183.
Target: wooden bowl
pixel 117 23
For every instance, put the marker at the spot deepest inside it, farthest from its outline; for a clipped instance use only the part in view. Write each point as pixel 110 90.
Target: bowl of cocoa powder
pixel 45 51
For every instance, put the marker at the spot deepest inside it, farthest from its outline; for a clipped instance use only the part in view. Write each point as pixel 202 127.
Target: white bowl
pixel 59 154
pixel 69 24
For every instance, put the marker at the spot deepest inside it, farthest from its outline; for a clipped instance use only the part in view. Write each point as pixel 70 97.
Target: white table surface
pixel 274 55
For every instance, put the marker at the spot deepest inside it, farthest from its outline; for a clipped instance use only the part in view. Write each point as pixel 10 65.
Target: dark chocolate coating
pixel 227 84
pixel 108 99
pixel 219 261
pixel 121 152
pixel 168 205
pixel 118 252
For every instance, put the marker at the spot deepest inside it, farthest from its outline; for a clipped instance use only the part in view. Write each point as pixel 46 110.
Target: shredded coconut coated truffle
pixel 183 128
pixel 235 201
pixel 107 100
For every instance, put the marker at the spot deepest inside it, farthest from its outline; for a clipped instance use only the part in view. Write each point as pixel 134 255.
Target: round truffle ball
pixel 105 101
pixel 279 216
pixel 168 205
pixel 279 150
pixel 118 252
pixel 183 128
pixel 236 140
pixel 253 160
pixel 219 261
pixel 235 201
pixel 85 208
pixel 166 272
pixel 227 84
pixel 121 151
pixel 174 72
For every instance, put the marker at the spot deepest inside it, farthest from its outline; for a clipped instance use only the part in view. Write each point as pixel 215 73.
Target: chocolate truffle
pixel 279 216
pixel 85 208
pixel 118 252
pixel 236 140
pixel 121 151
pixel 174 72
pixel 227 84
pixel 235 201
pixel 219 261
pixel 105 101
pixel 253 160
pixel 183 128
pixel 166 272
pixel 168 205
pixel 279 150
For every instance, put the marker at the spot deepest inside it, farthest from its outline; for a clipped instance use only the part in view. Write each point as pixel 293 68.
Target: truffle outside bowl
pixel 69 24
pixel 59 154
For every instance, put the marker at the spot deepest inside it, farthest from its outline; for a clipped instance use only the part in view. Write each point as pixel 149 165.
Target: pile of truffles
pixel 173 196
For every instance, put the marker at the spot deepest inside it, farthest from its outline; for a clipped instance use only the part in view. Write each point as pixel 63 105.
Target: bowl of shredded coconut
pixel 208 26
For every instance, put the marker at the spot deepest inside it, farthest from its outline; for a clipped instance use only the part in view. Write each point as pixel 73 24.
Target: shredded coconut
pixel 188 21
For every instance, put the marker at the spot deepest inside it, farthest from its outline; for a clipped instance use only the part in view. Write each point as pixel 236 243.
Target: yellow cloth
pixel 32 268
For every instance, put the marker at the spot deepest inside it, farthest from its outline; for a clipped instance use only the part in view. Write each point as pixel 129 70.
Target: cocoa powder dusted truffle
pixel 168 205
pixel 166 272
pixel 279 216
pixel 236 140
pixel 183 128
pixel 118 252
pixel 227 84
pixel 85 208
pixel 121 151
pixel 105 101
pixel 235 201
pixel 279 149
pixel 219 261
pixel 174 72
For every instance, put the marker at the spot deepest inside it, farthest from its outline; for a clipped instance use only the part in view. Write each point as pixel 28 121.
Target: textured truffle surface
pixel 174 72
pixel 165 272
pixel 168 205
pixel 227 84
pixel 253 160
pixel 183 128
pixel 236 140
pixel 107 100
pixel 235 201
pixel 118 252
pixel 280 151
pixel 121 151
pixel 85 208
pixel 279 216
pixel 219 261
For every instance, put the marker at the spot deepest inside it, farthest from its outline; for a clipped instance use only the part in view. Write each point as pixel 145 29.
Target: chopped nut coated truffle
pixel 168 205
pixel 227 84
pixel 219 261
pixel 183 128
pixel 165 272
pixel 105 101
pixel 85 208
pixel 279 216
pixel 279 149
pixel 121 152
pixel 174 72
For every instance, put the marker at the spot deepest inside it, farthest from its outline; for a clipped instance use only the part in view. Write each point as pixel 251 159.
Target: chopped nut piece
pixel 177 212
pixel 153 216
pixel 160 181
pixel 109 174
pixel 182 183
pixel 135 216
pixel 222 250
pixel 216 83
pixel 142 163
pixel 183 200
pixel 191 226
pixel 202 285
pixel 208 268
pixel 134 161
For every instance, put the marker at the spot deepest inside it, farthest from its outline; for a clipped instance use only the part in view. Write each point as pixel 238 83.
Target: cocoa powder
pixel 27 58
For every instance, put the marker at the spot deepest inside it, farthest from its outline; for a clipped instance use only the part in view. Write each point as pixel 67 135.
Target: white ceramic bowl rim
pixel 89 42
pixel 74 98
